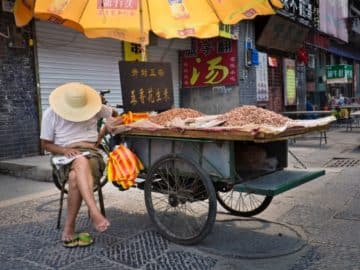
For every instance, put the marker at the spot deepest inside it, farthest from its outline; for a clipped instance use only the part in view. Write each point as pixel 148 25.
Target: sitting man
pixel 69 127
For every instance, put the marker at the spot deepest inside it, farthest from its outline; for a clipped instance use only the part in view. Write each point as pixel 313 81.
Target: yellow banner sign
pixel 132 52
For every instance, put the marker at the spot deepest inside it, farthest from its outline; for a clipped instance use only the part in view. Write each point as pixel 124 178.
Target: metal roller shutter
pixel 65 55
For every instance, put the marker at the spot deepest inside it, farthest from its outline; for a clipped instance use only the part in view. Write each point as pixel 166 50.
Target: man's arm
pixel 112 123
pixel 59 150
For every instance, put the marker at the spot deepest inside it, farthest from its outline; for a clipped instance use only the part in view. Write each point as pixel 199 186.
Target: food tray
pixel 225 134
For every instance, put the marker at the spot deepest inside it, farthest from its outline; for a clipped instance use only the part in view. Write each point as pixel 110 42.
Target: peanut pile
pixel 236 117
pixel 166 116
pixel 249 114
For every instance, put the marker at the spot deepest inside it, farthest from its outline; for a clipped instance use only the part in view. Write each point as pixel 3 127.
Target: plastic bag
pixel 123 166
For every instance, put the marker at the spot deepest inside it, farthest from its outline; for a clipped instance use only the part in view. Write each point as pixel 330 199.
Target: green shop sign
pixel 339 74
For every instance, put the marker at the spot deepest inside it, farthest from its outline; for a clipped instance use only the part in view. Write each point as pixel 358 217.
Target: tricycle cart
pixel 187 172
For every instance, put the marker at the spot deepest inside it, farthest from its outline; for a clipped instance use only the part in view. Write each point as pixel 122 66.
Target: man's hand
pixel 71 152
pixel 112 123
pixel 82 145
pixel 68 151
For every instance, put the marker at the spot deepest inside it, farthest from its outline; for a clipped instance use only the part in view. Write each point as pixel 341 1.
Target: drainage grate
pixel 342 162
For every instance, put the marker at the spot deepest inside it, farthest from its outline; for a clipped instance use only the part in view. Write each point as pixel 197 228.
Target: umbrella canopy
pixel 131 20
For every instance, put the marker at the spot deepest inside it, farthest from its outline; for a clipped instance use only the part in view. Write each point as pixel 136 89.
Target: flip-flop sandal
pixel 74 242
pixel 84 239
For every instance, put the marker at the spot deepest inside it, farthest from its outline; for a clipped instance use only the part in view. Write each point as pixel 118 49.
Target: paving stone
pixel 346 232
pixel 96 263
pixel 19 264
pixel 19 245
pixel 137 250
pixel 16 229
pixel 330 258
pixel 352 210
pixel 46 232
pixel 49 206
pixel 104 240
pixel 59 256
pixel 126 224
pixel 252 239
pixel 307 216
pixel 4 257
pixel 180 260
pixel 27 212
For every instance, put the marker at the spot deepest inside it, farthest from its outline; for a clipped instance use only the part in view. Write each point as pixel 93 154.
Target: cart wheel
pixel 57 183
pixel 242 203
pixel 180 199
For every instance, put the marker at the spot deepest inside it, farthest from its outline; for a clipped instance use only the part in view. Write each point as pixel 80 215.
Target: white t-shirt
pixel 63 132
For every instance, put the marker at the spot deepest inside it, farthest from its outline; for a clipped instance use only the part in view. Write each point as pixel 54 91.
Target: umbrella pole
pixel 142 45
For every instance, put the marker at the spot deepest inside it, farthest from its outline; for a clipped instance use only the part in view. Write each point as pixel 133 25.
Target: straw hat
pixel 75 102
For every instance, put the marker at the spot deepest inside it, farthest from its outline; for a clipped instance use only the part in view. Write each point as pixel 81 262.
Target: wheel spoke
pixel 243 203
pixel 178 200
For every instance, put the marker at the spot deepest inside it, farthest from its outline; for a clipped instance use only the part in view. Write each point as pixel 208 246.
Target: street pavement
pixel 314 226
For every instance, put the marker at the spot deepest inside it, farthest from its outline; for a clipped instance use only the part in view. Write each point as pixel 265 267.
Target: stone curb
pixel 20 168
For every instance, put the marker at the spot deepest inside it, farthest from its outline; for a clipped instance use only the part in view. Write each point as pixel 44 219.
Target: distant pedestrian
pixel 310 107
pixel 341 100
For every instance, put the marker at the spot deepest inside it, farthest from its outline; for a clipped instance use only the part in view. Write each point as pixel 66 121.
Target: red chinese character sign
pixel 146 86
pixel 210 62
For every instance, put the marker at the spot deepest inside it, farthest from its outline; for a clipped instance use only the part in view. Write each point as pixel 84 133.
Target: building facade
pixel 19 111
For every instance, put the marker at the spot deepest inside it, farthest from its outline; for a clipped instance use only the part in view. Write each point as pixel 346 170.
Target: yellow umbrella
pixel 131 20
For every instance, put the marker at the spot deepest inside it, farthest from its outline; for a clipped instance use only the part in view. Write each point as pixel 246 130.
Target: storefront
pixel 209 75
pixel 64 55
pixel 339 80
pixel 282 39
pixel 325 53
pixel 317 46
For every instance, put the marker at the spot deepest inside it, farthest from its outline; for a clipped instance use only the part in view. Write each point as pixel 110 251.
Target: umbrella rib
pixel 142 34
pixel 82 13
pixel 214 9
pixel 141 20
pixel 148 10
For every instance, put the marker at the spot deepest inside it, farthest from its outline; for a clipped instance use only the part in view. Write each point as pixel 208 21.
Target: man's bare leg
pixel 84 182
pixel 73 205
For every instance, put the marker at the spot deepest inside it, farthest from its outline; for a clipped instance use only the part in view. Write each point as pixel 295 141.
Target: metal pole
pixel 142 34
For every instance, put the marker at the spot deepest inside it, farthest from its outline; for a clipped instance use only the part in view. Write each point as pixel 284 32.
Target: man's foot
pixel 69 238
pixel 73 242
pixel 67 235
pixel 101 224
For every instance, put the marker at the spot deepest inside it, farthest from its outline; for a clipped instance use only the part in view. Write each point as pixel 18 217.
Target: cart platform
pixel 221 134
pixel 277 182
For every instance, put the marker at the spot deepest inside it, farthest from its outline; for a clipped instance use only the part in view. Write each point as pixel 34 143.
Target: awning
pixel 282 34
pixel 344 52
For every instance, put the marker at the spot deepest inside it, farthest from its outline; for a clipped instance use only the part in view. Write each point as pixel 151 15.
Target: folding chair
pixel 61 185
